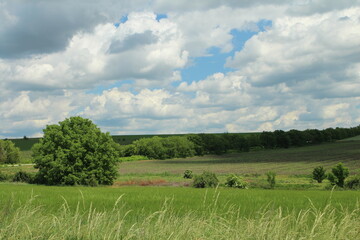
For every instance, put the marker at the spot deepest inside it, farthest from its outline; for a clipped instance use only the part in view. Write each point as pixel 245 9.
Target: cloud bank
pixel 121 64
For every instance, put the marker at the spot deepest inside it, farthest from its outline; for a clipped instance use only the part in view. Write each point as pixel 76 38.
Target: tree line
pixel 201 144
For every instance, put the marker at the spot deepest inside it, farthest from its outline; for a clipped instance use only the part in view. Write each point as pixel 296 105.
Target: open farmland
pixel 292 161
pixel 293 166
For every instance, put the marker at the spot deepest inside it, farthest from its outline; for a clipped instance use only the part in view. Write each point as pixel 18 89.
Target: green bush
pixel 188 174
pixel 206 179
pixel 235 181
pixel 75 152
pixel 271 179
pixel 9 153
pixel 319 174
pixel 353 182
pixel 338 175
pixel 22 176
pixel 126 150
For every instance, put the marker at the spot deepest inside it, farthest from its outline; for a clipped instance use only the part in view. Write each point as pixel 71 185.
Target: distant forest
pixel 185 145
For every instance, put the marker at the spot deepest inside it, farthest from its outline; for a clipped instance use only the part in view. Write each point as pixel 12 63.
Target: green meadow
pixel 43 212
pixel 183 199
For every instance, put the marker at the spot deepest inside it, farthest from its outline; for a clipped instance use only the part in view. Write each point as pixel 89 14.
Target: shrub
pixel 338 175
pixel 126 150
pixel 188 174
pixel 319 174
pixel 353 182
pixel 235 182
pixel 271 179
pixel 9 153
pixel 22 176
pixel 206 179
pixel 75 152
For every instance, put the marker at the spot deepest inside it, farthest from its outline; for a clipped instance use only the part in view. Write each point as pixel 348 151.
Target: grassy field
pixel 292 161
pixel 356 138
pixel 175 213
pixel 25 144
pixel 151 199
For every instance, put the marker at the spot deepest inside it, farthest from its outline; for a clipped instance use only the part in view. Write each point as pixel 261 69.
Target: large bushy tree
pixel 9 153
pixel 75 151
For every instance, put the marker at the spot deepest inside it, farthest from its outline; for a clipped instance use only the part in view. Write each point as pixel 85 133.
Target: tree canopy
pixel 75 151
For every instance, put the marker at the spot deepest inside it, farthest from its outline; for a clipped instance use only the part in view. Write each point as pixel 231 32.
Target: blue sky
pixel 214 61
pixel 139 67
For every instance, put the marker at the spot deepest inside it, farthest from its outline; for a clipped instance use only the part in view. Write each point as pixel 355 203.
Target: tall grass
pixel 32 221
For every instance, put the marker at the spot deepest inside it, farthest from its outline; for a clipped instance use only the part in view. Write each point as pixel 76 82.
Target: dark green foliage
pixel 319 174
pixel 254 141
pixel 23 177
pixel 126 150
pixel 199 145
pixel 186 146
pixel 338 175
pixel 331 177
pixel 75 152
pixel 178 147
pixel 268 139
pixel 236 142
pixel 314 136
pixel 235 181
pixel 282 139
pixel 271 179
pixel 214 144
pixel 9 153
pixel 332 134
pixel 188 174
pixel 161 148
pixel 297 138
pixel 206 179
pixel 353 182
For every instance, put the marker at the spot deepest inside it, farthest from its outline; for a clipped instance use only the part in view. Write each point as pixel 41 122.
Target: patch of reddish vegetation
pixel 154 182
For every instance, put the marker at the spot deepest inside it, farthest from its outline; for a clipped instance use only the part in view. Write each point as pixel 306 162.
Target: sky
pixel 166 67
